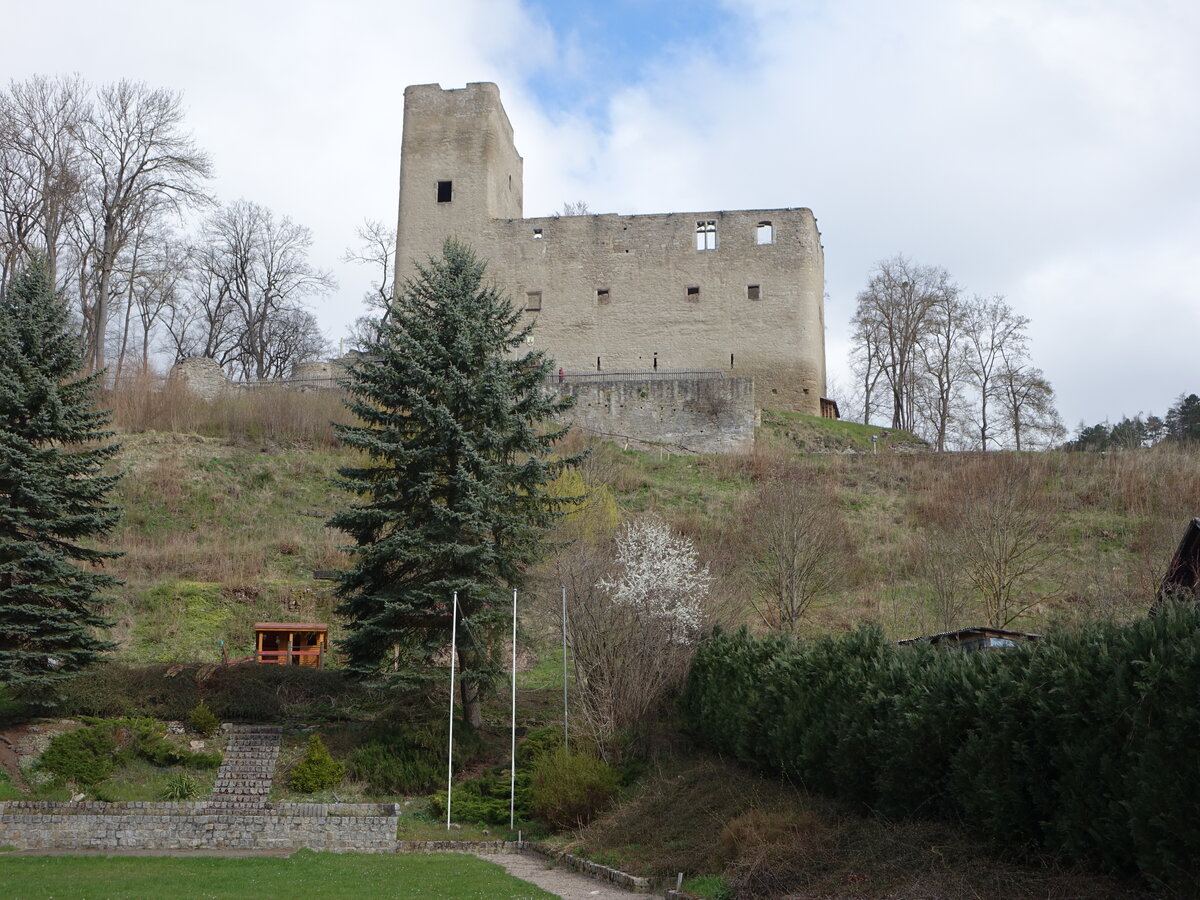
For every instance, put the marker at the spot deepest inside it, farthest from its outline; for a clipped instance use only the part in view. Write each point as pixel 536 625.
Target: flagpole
pixel 450 749
pixel 566 742
pixel 512 790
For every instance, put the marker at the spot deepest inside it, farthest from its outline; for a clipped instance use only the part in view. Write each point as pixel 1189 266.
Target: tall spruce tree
pixel 454 498
pixel 53 492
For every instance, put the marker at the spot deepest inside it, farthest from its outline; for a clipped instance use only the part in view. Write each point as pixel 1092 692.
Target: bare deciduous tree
pixel 1027 401
pixel 245 307
pixel 377 249
pixel 40 168
pixel 800 548
pixel 140 162
pixel 997 529
pixel 990 329
pixel 573 208
pixel 890 321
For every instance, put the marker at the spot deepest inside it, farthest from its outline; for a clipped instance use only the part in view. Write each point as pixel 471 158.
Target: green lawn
pixel 329 876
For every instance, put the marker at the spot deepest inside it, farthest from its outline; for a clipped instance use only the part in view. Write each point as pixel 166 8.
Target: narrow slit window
pixel 753 292
pixel 537 234
pixel 693 293
pixel 706 235
pixel 765 233
pixel 445 191
pixel 602 295
pixel 533 300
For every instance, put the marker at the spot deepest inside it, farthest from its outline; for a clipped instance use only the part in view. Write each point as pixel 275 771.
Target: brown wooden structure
pixel 976 639
pixel 291 643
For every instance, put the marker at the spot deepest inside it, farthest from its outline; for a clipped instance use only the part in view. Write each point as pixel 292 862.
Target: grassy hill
pixel 224 520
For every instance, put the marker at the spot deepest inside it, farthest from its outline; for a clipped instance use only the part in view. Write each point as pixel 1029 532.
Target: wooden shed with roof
pixel 291 643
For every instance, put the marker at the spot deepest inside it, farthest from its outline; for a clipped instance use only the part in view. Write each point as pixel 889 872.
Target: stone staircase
pixel 247 769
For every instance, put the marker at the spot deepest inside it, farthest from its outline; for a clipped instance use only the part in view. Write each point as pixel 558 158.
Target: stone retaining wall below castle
pixel 701 414
pixel 92 825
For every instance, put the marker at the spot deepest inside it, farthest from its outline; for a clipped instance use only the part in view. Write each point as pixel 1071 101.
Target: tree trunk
pixel 472 711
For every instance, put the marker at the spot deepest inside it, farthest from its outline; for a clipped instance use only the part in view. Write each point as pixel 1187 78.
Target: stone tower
pixel 459 169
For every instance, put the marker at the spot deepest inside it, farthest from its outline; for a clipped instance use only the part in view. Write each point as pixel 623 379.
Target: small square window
pixel 602 295
pixel 445 191
pixel 764 233
pixel 753 292
pixel 693 293
pixel 537 234
pixel 533 300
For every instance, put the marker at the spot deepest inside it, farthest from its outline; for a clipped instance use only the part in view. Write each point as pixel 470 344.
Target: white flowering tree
pixel 633 630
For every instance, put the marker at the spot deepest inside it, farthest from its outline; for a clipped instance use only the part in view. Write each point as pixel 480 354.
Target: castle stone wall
pixel 616 292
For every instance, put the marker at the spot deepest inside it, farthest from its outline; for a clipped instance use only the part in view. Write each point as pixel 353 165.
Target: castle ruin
pixel 741 293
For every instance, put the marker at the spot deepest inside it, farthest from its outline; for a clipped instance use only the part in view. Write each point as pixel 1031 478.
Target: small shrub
pixel 317 771
pixel 395 767
pixel 87 757
pixel 180 788
pixel 202 720
pixel 570 788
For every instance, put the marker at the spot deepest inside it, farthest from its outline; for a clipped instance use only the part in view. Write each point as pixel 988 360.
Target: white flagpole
pixel 566 742
pixel 512 790
pixel 450 750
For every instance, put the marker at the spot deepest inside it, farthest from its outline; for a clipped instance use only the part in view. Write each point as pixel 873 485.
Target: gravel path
pixel 560 880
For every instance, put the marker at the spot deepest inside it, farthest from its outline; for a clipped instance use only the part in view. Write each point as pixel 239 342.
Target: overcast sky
pixel 1046 150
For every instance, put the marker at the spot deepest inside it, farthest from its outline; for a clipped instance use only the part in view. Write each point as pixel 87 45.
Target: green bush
pixel 393 767
pixel 318 770
pixel 568 788
pixel 1083 744
pixel 86 757
pixel 202 720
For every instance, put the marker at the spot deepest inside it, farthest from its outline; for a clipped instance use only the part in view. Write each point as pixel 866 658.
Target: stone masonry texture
pixel 613 293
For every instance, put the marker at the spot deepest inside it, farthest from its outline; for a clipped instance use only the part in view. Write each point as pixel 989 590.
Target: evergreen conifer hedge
pixel 1086 744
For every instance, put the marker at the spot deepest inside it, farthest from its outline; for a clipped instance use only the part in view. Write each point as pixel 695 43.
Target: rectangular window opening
pixel 533 301
pixel 602 295
pixel 753 292
pixel 537 234
pixel 764 233
pixel 706 235
pixel 445 191
pixel 693 293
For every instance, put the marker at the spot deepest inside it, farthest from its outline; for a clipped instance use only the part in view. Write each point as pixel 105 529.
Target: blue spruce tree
pixel 455 427
pixel 53 492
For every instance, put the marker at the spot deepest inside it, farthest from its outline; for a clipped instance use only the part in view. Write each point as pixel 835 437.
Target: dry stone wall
pixel 91 825
pixel 696 413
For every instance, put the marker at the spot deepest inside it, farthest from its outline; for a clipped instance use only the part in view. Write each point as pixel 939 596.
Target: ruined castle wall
pixel 611 292
pixel 632 293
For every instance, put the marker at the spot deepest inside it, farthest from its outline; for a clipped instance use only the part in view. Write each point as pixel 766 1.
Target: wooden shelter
pixel 291 643
pixel 975 639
